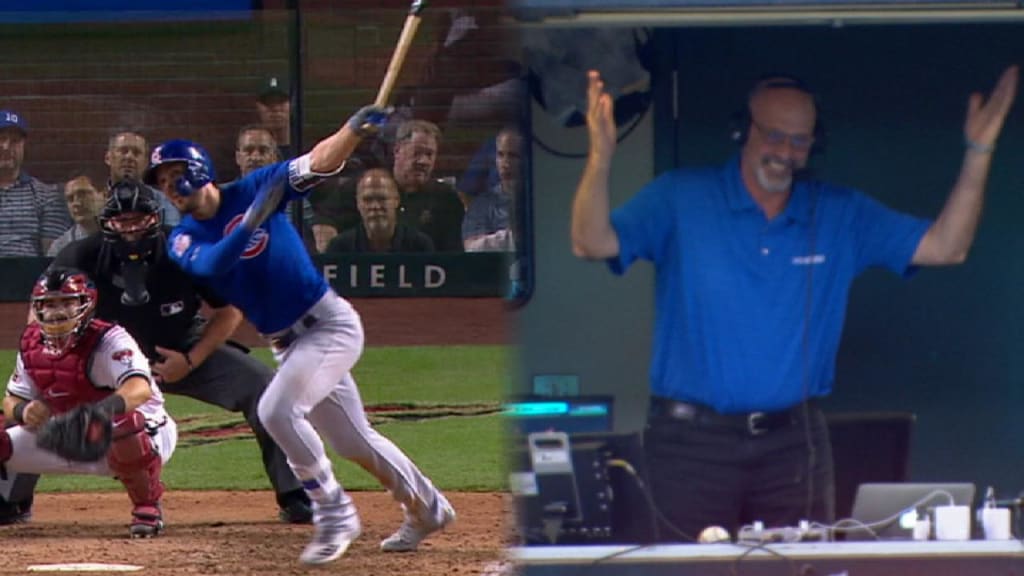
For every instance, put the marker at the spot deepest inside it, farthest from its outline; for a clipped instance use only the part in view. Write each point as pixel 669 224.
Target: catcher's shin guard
pixel 137 465
pixel 16 490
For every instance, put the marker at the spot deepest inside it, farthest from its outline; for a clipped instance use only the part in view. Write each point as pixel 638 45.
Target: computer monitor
pixel 902 502
pixel 572 415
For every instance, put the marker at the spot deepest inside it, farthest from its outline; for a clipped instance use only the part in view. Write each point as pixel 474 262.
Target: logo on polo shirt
pixel 811 260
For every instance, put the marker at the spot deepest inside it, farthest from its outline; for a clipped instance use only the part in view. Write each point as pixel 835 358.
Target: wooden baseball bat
pixel 412 22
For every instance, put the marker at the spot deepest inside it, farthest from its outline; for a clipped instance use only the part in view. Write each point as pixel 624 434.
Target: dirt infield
pixel 238 533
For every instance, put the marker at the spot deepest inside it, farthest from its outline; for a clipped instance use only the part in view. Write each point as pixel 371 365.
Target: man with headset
pixel 743 252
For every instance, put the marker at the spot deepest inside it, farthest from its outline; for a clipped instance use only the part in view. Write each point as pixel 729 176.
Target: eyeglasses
pixel 801 142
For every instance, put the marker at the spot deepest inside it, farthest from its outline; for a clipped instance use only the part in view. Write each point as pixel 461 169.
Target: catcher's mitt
pixel 82 434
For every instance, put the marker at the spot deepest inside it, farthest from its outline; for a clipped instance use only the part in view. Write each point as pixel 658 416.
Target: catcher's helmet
pixel 131 219
pixel 198 166
pixel 63 302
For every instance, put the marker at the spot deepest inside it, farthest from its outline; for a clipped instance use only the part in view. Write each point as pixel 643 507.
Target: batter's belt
pixel 280 341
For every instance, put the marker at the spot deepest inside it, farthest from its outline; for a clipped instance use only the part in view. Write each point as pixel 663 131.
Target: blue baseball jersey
pixel 267 274
pixel 749 310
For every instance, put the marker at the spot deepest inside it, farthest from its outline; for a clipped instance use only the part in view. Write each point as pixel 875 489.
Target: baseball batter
pixel 68 359
pixel 238 240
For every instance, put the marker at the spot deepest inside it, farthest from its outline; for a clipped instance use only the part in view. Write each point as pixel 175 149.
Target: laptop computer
pixel 901 503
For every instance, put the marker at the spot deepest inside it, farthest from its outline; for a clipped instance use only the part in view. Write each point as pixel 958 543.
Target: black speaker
pixel 561 490
pixel 741 120
pixel 572 489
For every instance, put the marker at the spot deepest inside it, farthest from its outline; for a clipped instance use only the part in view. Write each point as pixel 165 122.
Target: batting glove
pixel 369 119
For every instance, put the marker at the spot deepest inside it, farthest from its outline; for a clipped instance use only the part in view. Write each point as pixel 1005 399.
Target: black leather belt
pixel 753 423
pixel 286 339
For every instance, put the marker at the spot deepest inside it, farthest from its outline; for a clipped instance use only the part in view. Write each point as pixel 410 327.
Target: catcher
pixel 84 400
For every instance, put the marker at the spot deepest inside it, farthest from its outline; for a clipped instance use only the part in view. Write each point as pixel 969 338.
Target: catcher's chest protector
pixel 63 382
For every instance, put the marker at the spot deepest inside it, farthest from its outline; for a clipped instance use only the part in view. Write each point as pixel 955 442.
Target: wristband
pixel 19 411
pixel 979 148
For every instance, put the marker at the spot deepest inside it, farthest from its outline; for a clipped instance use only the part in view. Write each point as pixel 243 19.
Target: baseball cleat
pixel 328 546
pixel 15 513
pixel 295 509
pixel 336 526
pixel 414 530
pixel 147 522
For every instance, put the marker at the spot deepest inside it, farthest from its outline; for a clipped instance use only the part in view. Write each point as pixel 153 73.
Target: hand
pixel 36 413
pixel 600 117
pixel 267 200
pixel 173 367
pixel 82 434
pixel 985 118
pixel 368 120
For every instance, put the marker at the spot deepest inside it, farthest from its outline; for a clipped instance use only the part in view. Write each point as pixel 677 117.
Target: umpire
pixel 144 291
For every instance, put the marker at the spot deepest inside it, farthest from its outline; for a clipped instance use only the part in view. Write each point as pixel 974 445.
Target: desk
pixel 931 558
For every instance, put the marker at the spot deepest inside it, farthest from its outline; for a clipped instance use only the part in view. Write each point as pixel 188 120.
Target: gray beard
pixel 772 186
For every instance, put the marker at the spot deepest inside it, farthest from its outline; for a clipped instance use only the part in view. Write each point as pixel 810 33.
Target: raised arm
pixel 949 239
pixel 330 154
pixel 592 234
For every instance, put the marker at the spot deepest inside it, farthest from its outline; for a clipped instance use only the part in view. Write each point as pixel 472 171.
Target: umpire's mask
pixel 131 224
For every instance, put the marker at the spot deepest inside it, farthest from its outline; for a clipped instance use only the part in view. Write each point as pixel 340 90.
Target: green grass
pixel 457 452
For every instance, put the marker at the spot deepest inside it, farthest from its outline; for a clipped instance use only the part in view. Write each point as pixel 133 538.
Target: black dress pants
pixel 705 473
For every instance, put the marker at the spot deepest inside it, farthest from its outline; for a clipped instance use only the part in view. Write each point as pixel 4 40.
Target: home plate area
pixel 213 532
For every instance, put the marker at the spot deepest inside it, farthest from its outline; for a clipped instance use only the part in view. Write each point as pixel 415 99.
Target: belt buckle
pixel 754 420
pixel 682 411
pixel 282 342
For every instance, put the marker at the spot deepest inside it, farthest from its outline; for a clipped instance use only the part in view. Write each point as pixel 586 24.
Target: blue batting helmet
pixel 198 167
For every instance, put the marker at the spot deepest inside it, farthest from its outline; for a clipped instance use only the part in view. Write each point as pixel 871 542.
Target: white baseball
pixel 713 534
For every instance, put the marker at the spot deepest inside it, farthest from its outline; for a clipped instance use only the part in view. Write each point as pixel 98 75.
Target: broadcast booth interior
pixel 935 376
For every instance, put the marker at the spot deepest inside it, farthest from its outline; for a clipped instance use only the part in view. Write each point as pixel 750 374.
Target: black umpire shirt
pixel 171 317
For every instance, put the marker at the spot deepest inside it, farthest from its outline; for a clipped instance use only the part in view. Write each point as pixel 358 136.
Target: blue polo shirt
pixel 749 311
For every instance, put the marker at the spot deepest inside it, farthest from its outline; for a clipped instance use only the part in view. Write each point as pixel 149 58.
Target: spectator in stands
pixel 274 106
pixel 491 95
pixel 431 206
pixel 490 224
pixel 127 157
pixel 379 229
pixel 84 201
pixel 255 147
pixel 32 214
